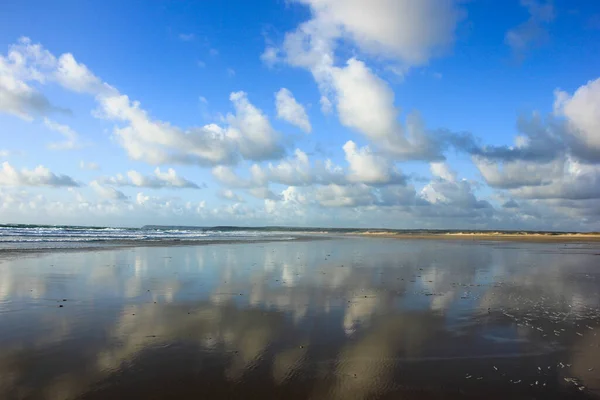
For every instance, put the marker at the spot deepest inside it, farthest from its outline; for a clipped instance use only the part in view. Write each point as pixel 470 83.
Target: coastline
pixel 129 244
pixel 492 236
pixel 7 253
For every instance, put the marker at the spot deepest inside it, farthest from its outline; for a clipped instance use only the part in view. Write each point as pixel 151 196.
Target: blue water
pixel 28 236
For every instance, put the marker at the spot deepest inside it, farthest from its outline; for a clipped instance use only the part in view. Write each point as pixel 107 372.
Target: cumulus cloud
pixel 26 63
pixel 345 196
pixel 107 192
pixel 409 31
pixel 158 142
pixel 270 56
pixel 365 103
pixel 364 166
pixel 296 171
pixel 326 106
pixel 442 171
pixel 19 99
pixel 582 111
pixel 576 181
pixel 228 177
pixel 229 194
pixel 515 174
pixel 367 167
pixel 77 77
pixel 250 129
pixel 300 171
pixel 538 140
pixel 533 31
pixel 549 169
pixel 248 132
pixel 288 109
pixel 447 190
pixel 160 179
pixel 39 176
pixel 71 138
pixel 263 193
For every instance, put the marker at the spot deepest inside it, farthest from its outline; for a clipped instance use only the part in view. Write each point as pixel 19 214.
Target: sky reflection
pixel 340 318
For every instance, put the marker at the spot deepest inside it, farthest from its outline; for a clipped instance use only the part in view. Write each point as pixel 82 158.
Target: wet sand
pixel 492 236
pixel 346 318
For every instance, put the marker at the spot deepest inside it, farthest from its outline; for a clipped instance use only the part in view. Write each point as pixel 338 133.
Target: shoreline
pixel 129 244
pixel 9 253
pixel 530 237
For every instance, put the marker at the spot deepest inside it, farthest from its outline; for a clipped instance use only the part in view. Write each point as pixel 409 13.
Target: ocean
pixel 18 236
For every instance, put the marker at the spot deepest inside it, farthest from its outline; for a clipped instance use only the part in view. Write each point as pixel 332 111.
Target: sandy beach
pixel 490 236
pixel 345 318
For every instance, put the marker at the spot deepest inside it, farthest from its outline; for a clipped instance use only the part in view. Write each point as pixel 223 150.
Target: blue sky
pixel 441 113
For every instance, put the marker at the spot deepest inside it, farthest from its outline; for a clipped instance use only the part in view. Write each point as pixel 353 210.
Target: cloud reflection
pixel 344 317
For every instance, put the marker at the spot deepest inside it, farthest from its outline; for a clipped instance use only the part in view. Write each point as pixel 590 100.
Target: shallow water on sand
pixel 344 318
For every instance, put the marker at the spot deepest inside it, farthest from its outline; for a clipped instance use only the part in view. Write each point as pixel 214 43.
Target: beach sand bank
pixel 491 236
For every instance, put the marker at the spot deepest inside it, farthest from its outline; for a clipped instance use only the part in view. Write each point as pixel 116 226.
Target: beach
pixel 488 236
pixel 349 317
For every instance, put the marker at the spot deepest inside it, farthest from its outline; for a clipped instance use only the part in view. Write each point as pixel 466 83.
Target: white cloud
pixel 406 31
pixel 71 141
pixel 39 176
pixel 229 194
pixel 231 72
pixel 107 192
pixel 326 106
pixel 574 181
pixel 21 65
pixel 251 130
pixel 582 111
pixel 543 170
pixel 19 99
pixel 263 193
pixel 288 109
pixel 160 179
pixel 27 62
pixel 90 166
pixel 228 177
pixel 368 167
pixel 364 166
pixel 270 56
pixel 296 171
pixel 364 101
pixel 249 133
pixel 410 31
pixel 76 76
pixel 514 174
pixel 443 171
pixel 452 196
pixel 158 142
pixel 366 104
pixel 344 196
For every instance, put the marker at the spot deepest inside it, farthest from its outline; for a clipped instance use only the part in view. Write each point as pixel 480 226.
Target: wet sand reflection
pixel 341 318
